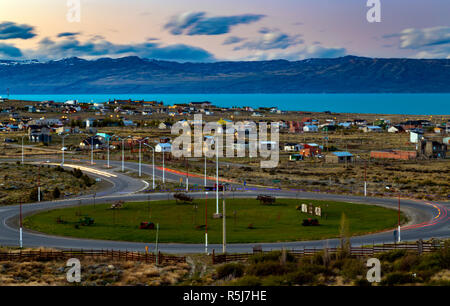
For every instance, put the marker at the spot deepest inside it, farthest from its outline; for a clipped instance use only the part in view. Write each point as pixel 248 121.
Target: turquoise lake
pixel 408 104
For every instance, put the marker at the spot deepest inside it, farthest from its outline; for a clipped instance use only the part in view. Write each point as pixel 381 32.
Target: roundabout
pixel 425 219
pixel 247 221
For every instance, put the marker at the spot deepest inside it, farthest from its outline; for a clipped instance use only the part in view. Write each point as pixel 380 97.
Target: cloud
pixel 70 47
pixel 68 34
pixel 12 30
pixel 9 51
pixel 197 23
pixel 271 39
pixel 431 42
pixel 233 40
pixel 314 51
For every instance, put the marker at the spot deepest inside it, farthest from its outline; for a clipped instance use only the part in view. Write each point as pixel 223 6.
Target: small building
pixel 372 129
pixel 394 154
pixel 295 157
pixel 163 147
pixel 310 128
pixel 339 157
pixel 433 149
pixel 39 134
pixel 164 126
pixel 415 136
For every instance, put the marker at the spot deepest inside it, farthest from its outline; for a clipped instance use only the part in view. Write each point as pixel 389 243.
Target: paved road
pixel 427 219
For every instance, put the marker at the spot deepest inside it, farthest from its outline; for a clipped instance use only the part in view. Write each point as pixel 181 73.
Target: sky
pixel 218 30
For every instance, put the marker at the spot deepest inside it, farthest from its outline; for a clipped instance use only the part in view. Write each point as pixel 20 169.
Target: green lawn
pixel 183 222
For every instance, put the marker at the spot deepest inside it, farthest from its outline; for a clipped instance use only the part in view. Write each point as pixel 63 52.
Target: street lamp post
pixel 398 214
pixel 140 157
pixel 20 223
pixel 164 168
pixel 23 149
pixel 92 150
pixel 153 164
pixel 206 222
pixel 63 149
pixel 108 152
pixel 205 170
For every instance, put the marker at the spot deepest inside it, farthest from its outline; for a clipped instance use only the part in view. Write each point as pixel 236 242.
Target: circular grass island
pixel 247 221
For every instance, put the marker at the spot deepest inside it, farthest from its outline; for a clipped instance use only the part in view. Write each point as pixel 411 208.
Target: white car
pixel 64 149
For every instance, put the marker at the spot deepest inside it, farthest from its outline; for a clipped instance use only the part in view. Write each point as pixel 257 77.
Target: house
pixel 310 128
pixel 433 149
pixel 310 150
pixel 290 146
pixel 89 122
pixel 163 147
pixel 91 141
pixel 415 136
pixel 295 157
pixel 395 129
pixel 372 129
pixel 394 154
pixel 164 139
pixel 339 157
pixel 164 126
pixel 39 134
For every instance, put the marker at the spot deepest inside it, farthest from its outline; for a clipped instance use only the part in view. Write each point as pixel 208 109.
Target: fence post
pixel 212 256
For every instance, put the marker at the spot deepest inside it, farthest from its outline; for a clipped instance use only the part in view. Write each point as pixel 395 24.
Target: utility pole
pixel 123 155
pixel 205 170
pixel 22 150
pixel 39 183
pixel 164 169
pixel 92 150
pixel 217 176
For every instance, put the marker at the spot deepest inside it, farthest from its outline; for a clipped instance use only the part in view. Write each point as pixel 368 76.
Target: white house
pixel 415 137
pixel 310 128
pixel 163 147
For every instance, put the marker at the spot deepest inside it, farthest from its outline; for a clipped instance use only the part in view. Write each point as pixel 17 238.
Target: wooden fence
pixel 365 251
pixel 106 254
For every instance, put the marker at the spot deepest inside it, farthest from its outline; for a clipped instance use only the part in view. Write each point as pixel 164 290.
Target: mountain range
pixel 348 74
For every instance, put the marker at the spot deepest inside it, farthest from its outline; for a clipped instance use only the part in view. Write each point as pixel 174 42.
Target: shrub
pixel 34 195
pixel 276 280
pixel 56 193
pixel 392 256
pixel 271 256
pixel 302 277
pixel 248 281
pixel 352 267
pixel 398 278
pixel 407 262
pixel 269 268
pixel 231 269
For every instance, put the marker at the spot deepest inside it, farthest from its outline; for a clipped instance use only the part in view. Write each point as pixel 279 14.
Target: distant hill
pixel 348 74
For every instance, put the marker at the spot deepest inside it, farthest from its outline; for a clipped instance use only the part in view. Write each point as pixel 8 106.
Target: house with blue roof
pixel 339 157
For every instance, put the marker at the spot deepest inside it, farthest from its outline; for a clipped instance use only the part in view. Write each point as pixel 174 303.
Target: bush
pixel 248 281
pixel 231 269
pixel 398 278
pixel 269 268
pixel 407 262
pixel 276 280
pixel 302 277
pixel 271 256
pixel 56 193
pixel 351 268
pixel 392 256
pixel 362 282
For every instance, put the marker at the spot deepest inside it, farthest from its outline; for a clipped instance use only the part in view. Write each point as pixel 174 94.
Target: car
pixel 64 149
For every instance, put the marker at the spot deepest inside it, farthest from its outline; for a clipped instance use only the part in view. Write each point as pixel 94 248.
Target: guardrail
pixel 21 255
pixel 365 251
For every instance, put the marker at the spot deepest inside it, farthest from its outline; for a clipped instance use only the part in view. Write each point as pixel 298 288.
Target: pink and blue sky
pixel 212 30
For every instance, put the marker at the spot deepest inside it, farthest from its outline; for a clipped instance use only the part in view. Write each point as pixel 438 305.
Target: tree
pixel 56 193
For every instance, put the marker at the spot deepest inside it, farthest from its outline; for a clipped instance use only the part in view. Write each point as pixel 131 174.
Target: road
pixel 427 219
